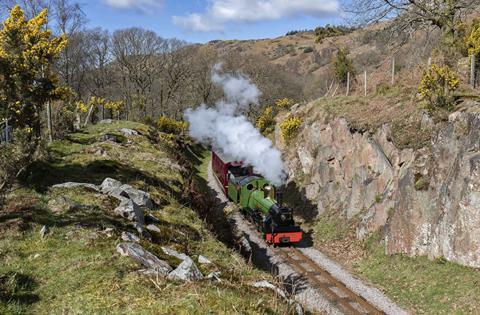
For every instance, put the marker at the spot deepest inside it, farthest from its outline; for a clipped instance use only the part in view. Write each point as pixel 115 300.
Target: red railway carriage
pixel 222 164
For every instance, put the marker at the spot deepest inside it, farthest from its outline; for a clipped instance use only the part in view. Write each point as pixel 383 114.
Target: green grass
pixel 422 285
pixel 76 269
pixel 419 284
pixel 330 227
pixel 395 106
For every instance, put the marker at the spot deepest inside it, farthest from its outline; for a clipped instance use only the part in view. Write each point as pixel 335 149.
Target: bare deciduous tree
pixel 411 15
pixel 135 51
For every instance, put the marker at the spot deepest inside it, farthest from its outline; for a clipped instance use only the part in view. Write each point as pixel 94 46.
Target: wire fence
pixel 386 73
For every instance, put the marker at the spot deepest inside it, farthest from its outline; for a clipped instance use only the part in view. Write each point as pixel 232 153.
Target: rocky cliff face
pixel 423 202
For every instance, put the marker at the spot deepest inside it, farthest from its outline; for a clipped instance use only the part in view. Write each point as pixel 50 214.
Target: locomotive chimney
pixel 279 196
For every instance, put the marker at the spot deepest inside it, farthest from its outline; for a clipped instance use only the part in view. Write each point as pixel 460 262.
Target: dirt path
pixel 313 296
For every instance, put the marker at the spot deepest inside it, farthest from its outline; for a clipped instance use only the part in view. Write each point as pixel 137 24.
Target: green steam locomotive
pixel 257 200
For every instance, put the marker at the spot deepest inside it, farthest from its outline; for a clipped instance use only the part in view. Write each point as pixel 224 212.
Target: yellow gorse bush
pixel 27 50
pixel 473 40
pixel 290 127
pixel 437 86
pixel 284 103
pixel 169 125
pixel 266 121
pixel 97 102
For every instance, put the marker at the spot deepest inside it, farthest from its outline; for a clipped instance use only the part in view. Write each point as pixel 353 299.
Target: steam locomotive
pixel 257 200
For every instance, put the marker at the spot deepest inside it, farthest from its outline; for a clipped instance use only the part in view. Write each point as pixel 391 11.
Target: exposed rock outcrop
pixel 130 210
pixel 187 270
pixel 425 202
pixel 129 132
pixel 145 258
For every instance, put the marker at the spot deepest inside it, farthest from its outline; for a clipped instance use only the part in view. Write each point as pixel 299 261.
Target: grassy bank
pixel 75 268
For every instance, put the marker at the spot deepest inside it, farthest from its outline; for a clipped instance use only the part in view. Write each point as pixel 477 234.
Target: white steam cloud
pixel 232 134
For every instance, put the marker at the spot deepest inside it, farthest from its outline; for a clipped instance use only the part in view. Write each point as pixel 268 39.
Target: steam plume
pixel 225 130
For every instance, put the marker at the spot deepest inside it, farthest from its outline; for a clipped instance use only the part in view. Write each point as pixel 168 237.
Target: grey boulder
pixel 143 257
pixel 129 132
pixel 120 191
pixel 186 271
pixel 109 184
pixel 203 260
pixel 171 252
pixel 130 237
pixel 153 228
pixel 140 197
pixel 130 210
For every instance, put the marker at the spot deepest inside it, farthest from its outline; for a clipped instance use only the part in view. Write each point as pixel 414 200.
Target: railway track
pixel 335 291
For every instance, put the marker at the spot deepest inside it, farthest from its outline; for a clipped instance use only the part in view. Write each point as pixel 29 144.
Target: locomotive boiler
pixel 257 199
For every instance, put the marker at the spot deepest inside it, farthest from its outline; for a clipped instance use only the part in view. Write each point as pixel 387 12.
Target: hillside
pixel 372 49
pixel 73 266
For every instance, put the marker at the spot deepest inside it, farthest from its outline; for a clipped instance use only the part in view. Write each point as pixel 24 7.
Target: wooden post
pixel 365 81
pixel 49 121
pixel 7 136
pixel 472 71
pixel 429 61
pixel 89 116
pixel 393 71
pixel 348 83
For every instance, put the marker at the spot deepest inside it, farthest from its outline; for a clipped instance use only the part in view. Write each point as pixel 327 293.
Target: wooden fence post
pixel 473 71
pixel 7 136
pixel 365 81
pixel 49 121
pixel 348 83
pixel 393 71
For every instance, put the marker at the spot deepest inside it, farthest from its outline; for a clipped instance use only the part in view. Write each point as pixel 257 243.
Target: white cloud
pixel 142 5
pixel 220 12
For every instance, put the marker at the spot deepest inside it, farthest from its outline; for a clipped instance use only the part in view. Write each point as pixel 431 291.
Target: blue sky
pixel 199 21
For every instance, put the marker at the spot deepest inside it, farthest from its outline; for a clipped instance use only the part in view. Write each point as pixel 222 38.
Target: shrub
pixel 308 50
pixel 169 125
pixel 290 127
pixel 16 156
pixel 284 103
pixel 473 40
pixel 330 31
pixel 437 87
pixel 167 139
pixel 382 88
pixel 343 65
pixel 266 121
pixel 63 116
pixel 298 31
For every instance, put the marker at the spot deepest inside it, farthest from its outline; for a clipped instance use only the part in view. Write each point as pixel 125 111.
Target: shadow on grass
pixel 42 175
pixel 93 217
pixel 18 288
pixel 206 203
